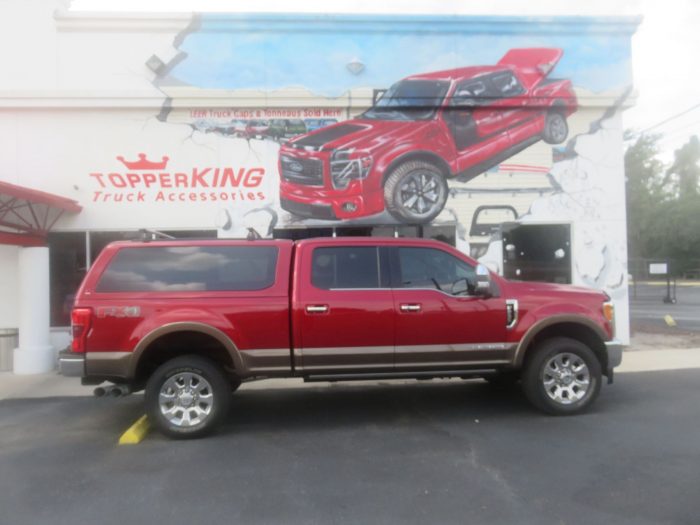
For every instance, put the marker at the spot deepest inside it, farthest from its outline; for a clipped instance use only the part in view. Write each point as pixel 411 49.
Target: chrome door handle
pixel 317 308
pixel 410 308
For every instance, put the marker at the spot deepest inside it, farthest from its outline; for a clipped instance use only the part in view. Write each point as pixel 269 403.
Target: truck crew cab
pixel 188 321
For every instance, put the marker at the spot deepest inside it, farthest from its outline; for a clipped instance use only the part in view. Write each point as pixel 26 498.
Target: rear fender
pixel 188 326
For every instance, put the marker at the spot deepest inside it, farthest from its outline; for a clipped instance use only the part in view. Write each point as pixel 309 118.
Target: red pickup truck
pixel 398 155
pixel 188 321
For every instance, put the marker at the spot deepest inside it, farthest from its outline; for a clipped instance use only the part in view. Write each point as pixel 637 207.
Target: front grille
pixel 312 211
pixel 308 172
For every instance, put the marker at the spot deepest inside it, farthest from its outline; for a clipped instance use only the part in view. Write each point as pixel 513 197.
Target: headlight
pixel 344 168
pixel 609 313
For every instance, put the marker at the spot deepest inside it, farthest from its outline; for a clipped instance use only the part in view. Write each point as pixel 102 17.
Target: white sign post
pixel 658 269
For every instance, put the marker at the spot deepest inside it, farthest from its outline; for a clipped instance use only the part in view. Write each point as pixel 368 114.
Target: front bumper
pixel 312 211
pixel 71 364
pixel 332 204
pixel 614 351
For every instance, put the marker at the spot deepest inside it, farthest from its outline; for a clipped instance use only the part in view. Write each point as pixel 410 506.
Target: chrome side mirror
pixel 483 281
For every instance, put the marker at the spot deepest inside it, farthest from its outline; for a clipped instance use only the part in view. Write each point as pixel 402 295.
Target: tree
pixel 686 170
pixel 682 214
pixel 644 173
pixel 663 205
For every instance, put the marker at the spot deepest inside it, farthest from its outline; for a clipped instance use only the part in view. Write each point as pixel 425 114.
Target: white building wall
pixel 28 55
pixel 9 277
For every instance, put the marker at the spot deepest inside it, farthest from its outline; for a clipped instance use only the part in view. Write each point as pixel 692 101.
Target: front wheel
pixel 187 397
pixel 415 192
pixel 562 377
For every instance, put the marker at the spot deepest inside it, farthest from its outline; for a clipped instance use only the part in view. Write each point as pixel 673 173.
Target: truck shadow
pixel 382 404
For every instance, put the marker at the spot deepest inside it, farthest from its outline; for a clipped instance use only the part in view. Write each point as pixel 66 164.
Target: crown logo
pixel 143 163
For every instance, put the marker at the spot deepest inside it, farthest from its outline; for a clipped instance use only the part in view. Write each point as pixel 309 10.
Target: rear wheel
pixel 415 192
pixel 555 128
pixel 563 376
pixel 187 397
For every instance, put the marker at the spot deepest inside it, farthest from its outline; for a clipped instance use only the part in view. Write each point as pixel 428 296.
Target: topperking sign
pixel 145 180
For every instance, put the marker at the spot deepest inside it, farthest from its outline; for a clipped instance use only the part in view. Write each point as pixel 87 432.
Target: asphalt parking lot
pixel 423 452
pixel 648 311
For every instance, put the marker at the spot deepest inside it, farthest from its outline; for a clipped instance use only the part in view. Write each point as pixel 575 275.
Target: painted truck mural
pixel 399 154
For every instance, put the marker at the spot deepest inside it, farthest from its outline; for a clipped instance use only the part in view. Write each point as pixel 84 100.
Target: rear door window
pixel 190 269
pixel 476 92
pixel 506 85
pixel 345 267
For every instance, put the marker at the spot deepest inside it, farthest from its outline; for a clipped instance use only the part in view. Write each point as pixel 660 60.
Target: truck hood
pixel 550 289
pixel 362 134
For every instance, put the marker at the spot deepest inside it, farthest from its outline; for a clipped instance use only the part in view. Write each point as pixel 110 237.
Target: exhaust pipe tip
pixel 99 391
pixel 115 392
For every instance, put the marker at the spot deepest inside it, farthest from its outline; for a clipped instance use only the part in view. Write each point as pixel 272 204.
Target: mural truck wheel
pixel 415 192
pixel 555 128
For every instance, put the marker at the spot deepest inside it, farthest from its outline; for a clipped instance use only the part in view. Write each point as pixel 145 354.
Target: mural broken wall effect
pixel 590 197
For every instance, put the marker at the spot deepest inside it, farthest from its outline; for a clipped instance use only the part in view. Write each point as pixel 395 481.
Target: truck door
pixel 343 308
pixel 475 122
pixel 436 328
pixel 510 99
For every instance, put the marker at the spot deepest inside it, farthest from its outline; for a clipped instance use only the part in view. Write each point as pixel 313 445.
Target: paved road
pixel 648 308
pixel 425 452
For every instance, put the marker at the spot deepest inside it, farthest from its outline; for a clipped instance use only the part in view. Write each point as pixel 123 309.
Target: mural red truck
pixel 427 128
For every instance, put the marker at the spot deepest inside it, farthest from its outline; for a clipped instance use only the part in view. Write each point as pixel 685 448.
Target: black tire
pixel 541 385
pixel 556 129
pixel 408 175
pixel 215 383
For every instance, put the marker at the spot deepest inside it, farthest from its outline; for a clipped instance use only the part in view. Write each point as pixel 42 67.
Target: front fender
pixel 408 152
pixel 534 328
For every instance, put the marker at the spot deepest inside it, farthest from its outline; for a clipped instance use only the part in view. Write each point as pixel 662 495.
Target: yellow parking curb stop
pixel 136 432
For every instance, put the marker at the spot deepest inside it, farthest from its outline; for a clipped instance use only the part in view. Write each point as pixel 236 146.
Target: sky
pixel 664 49
pixel 252 55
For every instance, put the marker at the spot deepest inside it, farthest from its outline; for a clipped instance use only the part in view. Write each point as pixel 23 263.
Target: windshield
pixel 409 100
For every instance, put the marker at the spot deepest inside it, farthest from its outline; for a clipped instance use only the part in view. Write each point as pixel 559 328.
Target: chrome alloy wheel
pixel 421 193
pixel 186 399
pixel 566 378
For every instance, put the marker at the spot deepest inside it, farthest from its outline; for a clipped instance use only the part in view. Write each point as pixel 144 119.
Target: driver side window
pixel 432 268
pixel 472 93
